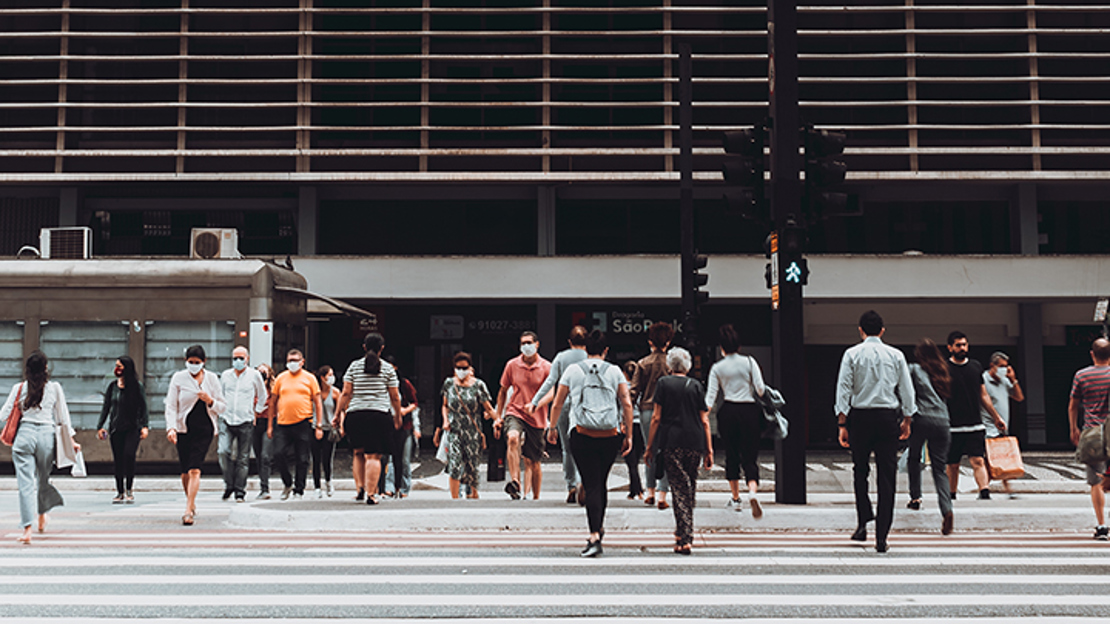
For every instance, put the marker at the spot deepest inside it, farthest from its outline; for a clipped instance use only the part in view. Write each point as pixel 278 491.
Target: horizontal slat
pixel 359 34
pixel 554 80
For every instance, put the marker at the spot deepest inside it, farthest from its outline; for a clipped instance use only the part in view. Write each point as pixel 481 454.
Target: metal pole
pixel 787 324
pixel 686 195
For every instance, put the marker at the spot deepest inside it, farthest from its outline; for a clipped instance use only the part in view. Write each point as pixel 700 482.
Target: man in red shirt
pixel 524 429
pixel 1088 408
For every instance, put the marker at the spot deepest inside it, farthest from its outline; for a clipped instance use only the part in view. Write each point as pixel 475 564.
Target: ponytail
pixel 372 363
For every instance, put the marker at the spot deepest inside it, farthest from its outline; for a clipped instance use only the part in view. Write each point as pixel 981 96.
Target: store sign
pixel 447 327
pixel 500 326
pixel 635 322
pixel 368 325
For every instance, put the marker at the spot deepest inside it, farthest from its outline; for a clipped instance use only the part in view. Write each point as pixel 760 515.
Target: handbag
pixel 332 435
pixel 774 425
pixel 1004 457
pixel 79 471
pixel 1094 445
pixel 11 427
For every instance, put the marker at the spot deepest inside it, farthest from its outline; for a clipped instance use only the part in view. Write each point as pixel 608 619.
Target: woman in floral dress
pixel 466 400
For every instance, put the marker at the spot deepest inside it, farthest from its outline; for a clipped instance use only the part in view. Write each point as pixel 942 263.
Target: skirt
pixel 192 446
pixel 370 431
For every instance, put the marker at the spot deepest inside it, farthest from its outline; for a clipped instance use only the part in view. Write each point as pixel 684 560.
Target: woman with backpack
pixel 679 437
pixel 600 424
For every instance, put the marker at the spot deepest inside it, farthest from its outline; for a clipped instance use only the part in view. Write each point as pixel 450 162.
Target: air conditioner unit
pixel 67 243
pixel 208 243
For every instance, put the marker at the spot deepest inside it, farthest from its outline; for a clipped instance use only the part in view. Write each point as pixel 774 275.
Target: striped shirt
pixel 1090 388
pixel 371 392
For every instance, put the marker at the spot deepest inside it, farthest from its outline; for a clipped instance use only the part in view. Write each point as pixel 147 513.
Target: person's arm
pixel 625 399
pixel 1075 407
pixel 446 426
pixel 714 388
pixel 144 414
pixel 635 388
pixel 547 391
pixel 171 410
pixel 556 413
pixel 656 414
pixel 273 410
pixel 218 405
pixel 1015 388
pixel 499 411
pixel 758 385
pixel 104 410
pixel 988 404
pixel 261 397
pixel 395 402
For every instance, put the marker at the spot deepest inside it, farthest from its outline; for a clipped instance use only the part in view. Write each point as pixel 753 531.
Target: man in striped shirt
pixel 1088 408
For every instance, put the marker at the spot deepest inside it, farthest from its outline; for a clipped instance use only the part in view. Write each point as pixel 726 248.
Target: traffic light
pixel 823 171
pixel 791 245
pixel 743 170
pixel 699 279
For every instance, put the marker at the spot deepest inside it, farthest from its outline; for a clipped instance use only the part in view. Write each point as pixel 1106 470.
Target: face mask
pixel 330 379
pixel 239 363
pixel 462 373
pixel 528 349
pixel 193 368
pixel 294 367
pixel 118 371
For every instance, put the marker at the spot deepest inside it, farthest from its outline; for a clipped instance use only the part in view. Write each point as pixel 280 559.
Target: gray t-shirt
pixel 999 390
pixel 559 365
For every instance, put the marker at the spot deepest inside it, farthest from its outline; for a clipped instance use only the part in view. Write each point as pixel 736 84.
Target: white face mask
pixel 528 349
pixel 293 367
pixel 330 379
pixel 462 373
pixel 239 363
pixel 193 368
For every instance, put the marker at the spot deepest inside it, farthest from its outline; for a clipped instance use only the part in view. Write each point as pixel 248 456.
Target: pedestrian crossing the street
pixel 305 576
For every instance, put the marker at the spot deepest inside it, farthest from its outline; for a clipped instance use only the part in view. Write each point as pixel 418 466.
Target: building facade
pixel 468 169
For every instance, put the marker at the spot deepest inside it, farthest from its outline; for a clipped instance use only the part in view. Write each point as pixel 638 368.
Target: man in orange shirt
pixel 295 398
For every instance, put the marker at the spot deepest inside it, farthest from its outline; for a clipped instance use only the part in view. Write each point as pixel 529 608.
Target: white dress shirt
pixel 182 396
pixel 245 394
pixel 874 376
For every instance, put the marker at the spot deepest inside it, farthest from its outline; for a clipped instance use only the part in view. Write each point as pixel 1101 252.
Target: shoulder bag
pixel 775 426
pixel 1094 444
pixel 11 427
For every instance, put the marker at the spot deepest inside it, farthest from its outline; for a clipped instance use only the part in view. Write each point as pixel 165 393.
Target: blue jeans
pixel 263 453
pixel 650 482
pixel 570 471
pixel 402 454
pixel 233 448
pixel 33 456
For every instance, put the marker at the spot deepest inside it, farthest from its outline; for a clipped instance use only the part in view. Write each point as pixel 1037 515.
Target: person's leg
pixel 918 433
pixel 512 455
pixel 305 434
pixel 283 448
pixel 118 442
pixel 570 470
pixel 223 454
pixel 404 487
pixel 610 449
pixel 263 454
pixel 727 427
pixel 242 455
pixel 886 468
pixel 192 486
pixel 860 432
pixel 649 464
pixel 328 463
pixel 979 468
pixel 23 457
pixel 749 448
pixel 358 470
pixel 939 441
pixel 453 484
pixel 398 458
pixel 373 464
pixel 588 461
pixel 1098 500
pixel 682 493
pixel 632 461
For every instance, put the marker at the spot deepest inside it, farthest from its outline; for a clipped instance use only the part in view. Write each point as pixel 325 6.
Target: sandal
pixel 663 505
pixel 371 500
pixel 187 519
pixel 649 500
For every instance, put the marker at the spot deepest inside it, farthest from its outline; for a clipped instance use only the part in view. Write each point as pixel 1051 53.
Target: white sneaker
pixel 298 496
pixel 319 493
pixel 734 504
pixel 330 489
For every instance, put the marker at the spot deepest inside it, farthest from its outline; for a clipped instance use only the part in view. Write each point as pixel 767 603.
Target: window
pixel 82 356
pixel 165 354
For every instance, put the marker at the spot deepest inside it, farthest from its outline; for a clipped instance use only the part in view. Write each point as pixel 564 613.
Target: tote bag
pixel 1004 457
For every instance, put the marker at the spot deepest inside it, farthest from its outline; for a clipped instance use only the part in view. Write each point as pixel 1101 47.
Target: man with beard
pixel 968 431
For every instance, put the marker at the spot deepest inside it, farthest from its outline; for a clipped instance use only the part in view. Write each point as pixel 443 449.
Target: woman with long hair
pixel 369 411
pixel 932 384
pixel 33 452
pixel 466 400
pixel 193 401
pixel 323 446
pixel 739 379
pixel 125 411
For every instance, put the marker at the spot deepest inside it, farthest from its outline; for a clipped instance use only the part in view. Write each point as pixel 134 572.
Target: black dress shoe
pixel 861 533
pixel 946 524
pixel 915 504
pixel 592 549
pixel 881 547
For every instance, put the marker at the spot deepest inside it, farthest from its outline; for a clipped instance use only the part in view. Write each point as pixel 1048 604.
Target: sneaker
pixel 286 492
pixel 227 494
pixel 240 499
pixel 734 504
pixel 592 549
pixel 264 495
pixel 985 494
pixel 757 509
pixel 512 488
pixel 298 497
pixel 1102 533
pixel 1013 496
pixel 319 493
pixel 330 489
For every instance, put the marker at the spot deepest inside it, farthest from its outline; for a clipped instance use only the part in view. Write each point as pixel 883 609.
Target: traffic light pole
pixel 786 206
pixel 686 196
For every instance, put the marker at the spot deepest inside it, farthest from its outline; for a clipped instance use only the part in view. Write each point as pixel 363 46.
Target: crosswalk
pixel 243 575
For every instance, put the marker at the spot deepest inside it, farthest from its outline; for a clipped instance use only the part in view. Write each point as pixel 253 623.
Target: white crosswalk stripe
pixel 241 576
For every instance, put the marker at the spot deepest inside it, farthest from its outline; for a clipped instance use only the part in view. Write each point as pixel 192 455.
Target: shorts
pixel 1095 472
pixel 370 431
pixel 970 443
pixel 531 438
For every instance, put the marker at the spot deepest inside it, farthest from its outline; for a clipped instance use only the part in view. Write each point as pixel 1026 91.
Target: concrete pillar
pixel 67 207
pixel 306 221
pixel 550 344
pixel 545 221
pixel 1030 322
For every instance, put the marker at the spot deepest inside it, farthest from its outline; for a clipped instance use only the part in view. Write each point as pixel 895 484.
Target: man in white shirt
pixel 873 386
pixel 245 393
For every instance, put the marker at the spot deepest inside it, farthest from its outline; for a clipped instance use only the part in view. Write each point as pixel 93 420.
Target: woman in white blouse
pixel 739 379
pixel 33 452
pixel 192 403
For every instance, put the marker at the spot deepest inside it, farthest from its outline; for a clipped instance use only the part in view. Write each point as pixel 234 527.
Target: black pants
pixel 263 453
pixel 875 431
pixel 739 426
pixel 935 432
pixel 594 458
pixel 292 445
pixel 125 444
pixel 632 460
pixel 323 452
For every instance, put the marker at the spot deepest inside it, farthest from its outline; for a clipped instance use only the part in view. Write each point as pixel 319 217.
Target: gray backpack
pixel 596 402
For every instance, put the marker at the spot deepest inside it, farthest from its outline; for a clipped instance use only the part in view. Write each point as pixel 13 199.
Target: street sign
pixel 1100 310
